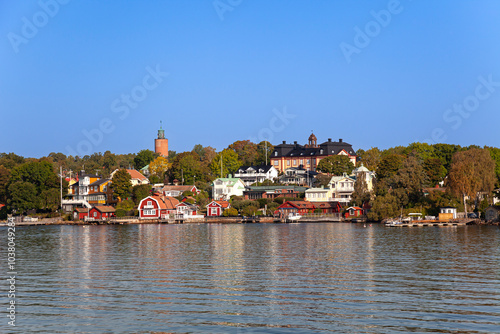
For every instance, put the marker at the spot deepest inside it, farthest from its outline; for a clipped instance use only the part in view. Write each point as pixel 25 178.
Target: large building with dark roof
pixel 308 156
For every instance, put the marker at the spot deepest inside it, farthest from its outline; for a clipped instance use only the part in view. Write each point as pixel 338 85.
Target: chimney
pixel 340 140
pixel 329 140
pixel 284 141
pixel 295 142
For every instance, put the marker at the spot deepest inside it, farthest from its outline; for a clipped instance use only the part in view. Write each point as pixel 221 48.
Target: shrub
pixel 231 212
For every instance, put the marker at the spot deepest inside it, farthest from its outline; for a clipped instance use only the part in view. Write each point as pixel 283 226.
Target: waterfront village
pixel 249 182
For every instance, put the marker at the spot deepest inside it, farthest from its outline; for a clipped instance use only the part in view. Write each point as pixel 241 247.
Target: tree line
pixel 418 177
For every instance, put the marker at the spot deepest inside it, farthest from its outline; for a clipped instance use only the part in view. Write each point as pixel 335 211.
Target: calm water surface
pixel 301 278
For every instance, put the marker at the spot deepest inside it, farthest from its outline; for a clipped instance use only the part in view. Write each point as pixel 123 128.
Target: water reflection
pixel 264 278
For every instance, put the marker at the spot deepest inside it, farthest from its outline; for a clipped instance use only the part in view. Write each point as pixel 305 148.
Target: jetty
pixel 437 223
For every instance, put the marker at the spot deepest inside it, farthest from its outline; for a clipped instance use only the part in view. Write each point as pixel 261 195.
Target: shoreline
pixel 218 220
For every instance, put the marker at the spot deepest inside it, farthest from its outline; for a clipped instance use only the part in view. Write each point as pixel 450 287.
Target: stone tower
pixel 161 143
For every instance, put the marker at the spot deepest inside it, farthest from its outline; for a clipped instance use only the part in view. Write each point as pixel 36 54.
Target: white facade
pixel 318 194
pixel 224 188
pixel 369 176
pixel 342 188
pixel 253 174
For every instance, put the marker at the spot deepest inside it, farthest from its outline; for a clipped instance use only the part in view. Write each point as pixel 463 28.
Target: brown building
pixel 161 143
pixel 308 156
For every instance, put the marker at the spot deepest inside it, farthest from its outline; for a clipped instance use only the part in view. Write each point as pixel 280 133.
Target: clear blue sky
pixel 233 65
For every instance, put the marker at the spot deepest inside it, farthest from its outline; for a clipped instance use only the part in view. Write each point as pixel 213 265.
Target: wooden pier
pixel 436 223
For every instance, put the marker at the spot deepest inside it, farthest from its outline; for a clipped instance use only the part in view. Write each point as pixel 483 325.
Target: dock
pixel 437 223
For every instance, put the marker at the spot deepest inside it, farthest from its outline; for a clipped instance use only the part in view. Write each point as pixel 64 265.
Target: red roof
pixel 223 204
pixel 166 202
pixel 136 174
pixel 178 188
pixel 301 204
pixel 2 205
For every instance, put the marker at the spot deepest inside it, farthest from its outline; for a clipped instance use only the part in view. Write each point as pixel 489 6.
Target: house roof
pixel 104 208
pixel 259 169
pixel 135 174
pixel 223 204
pixel 354 208
pixel 327 148
pixel 494 207
pixel 178 188
pixel 99 182
pixel 166 202
pixel 189 205
pixel 81 210
pixel 268 188
pixel 301 204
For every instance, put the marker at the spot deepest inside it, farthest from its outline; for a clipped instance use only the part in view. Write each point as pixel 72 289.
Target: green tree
pixel 159 167
pixel 445 153
pixel 384 207
pixel 336 165
pixel 22 196
pixel 230 163
pixel 410 180
pixel 140 191
pixel 434 170
pixel 389 165
pixel 143 158
pixel 4 180
pixel 472 172
pixel 121 184
pixel 188 168
pixel 40 174
pixel 264 148
pixel 495 155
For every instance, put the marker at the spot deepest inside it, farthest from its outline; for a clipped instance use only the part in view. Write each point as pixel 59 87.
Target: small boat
pixel 293 217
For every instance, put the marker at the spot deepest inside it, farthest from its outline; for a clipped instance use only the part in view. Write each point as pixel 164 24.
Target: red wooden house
pixel 80 213
pixel 216 208
pixel 101 212
pixel 328 207
pixel 300 207
pixel 157 207
pixel 354 212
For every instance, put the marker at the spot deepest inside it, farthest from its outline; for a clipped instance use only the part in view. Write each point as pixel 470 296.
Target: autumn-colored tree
pixel 230 163
pixel 246 151
pixel 159 167
pixel 472 172
pixel 336 165
pixel 370 158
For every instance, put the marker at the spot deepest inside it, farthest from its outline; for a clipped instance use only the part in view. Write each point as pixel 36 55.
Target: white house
pixel 318 194
pixel 224 188
pixel 369 176
pixel 342 188
pixel 253 174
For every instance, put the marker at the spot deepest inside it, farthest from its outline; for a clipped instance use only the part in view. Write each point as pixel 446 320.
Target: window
pixel 288 162
pixel 301 162
pixel 308 162
pixel 213 211
pixel 95 214
pixel 276 163
pixel 321 151
pixel 276 153
pixel 150 203
pixel 295 162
